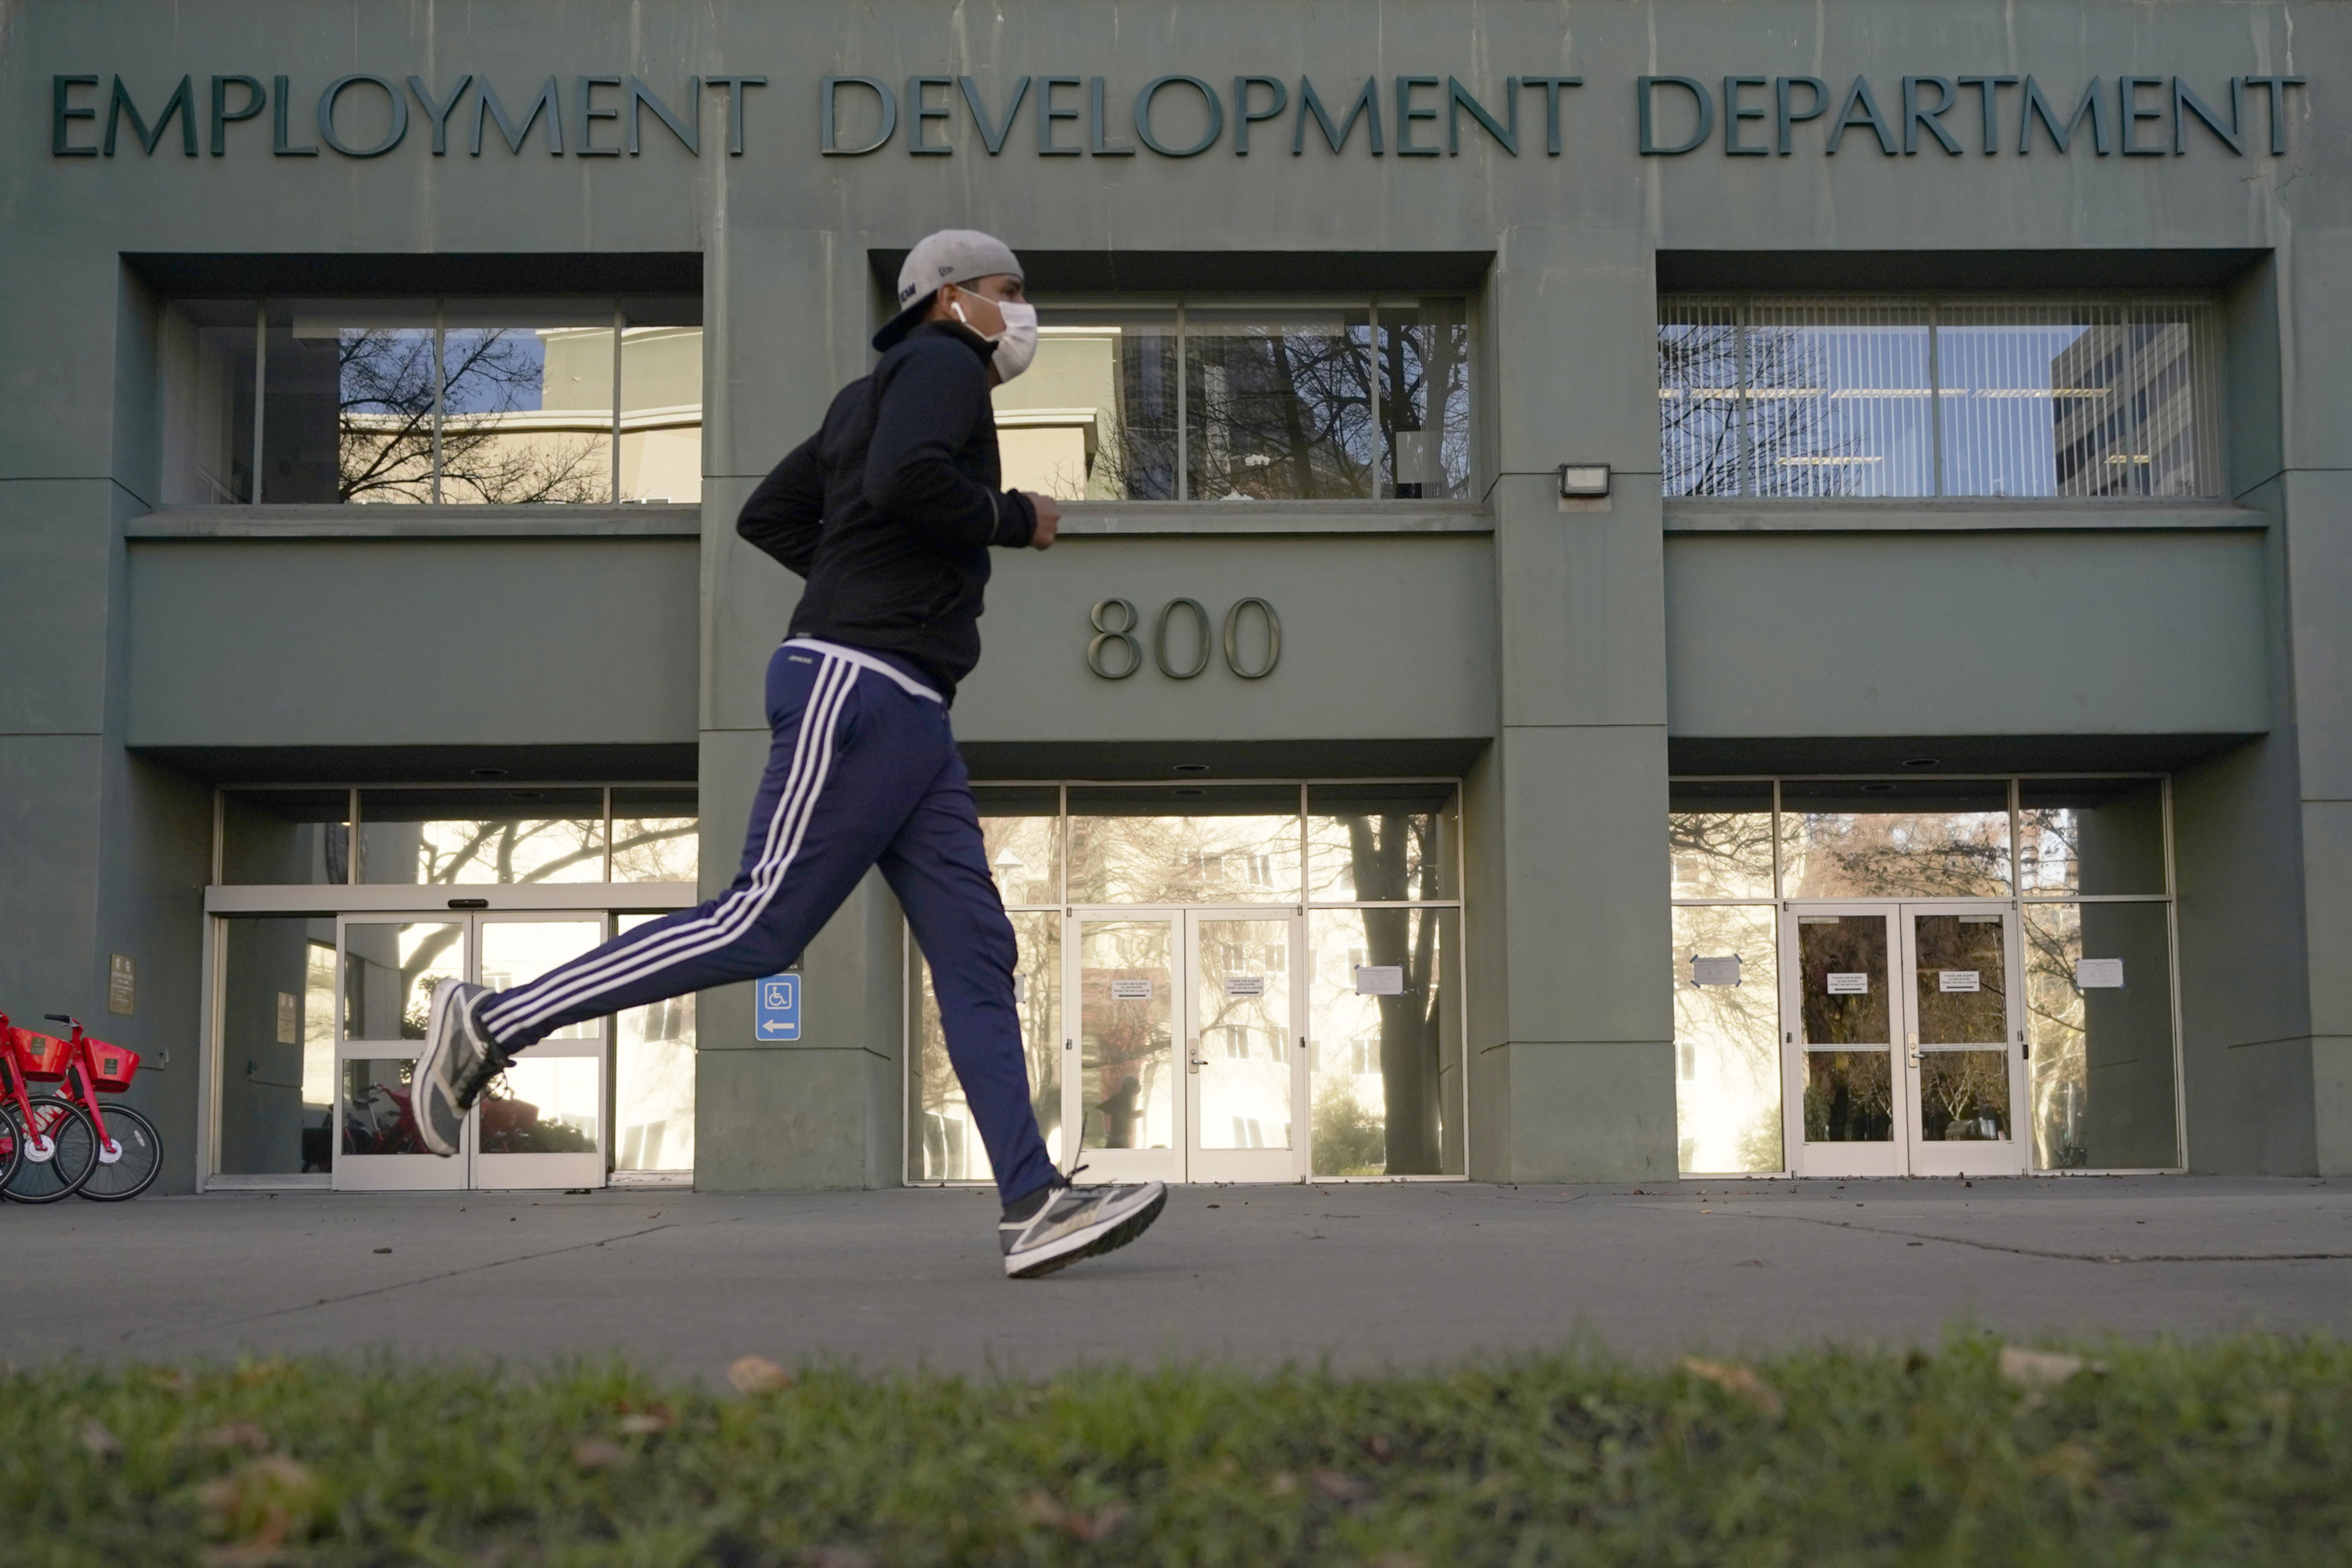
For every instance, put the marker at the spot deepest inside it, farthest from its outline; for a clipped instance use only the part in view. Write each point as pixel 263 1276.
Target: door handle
pixel 1192 1055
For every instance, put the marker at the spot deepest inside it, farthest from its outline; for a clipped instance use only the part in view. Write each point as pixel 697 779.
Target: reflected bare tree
pixel 1281 414
pixel 385 423
pixel 1783 387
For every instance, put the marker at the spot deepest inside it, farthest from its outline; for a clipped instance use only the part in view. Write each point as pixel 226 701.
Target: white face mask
pixel 1017 345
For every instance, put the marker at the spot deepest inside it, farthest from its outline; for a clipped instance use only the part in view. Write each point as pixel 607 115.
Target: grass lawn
pixel 2229 1451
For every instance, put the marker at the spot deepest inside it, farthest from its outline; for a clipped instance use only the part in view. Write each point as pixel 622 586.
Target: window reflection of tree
pixel 1421 362
pixel 1783 390
pixel 1721 854
pixel 1383 851
pixel 2055 1022
pixel 1964 1095
pixel 385 425
pixel 1739 1024
pixel 1127 1043
pixel 1926 855
pixel 1184 859
pixel 1279 413
pixel 496 843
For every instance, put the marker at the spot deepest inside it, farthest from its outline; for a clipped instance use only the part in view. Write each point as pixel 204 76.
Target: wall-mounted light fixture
pixel 1583 481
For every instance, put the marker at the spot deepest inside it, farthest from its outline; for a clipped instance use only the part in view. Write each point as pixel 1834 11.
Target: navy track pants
pixel 862 772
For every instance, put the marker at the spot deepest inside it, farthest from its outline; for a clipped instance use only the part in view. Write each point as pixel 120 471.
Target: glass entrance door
pixel 541 1122
pixel 1188 1052
pixel 1906 1057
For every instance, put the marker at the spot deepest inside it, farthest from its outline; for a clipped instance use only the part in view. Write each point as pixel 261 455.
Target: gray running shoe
pixel 457 1063
pixel 1078 1222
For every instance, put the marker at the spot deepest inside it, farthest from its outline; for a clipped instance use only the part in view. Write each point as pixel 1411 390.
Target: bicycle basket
pixel 43 1057
pixel 116 1064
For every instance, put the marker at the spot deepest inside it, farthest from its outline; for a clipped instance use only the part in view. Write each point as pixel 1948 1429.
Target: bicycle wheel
pixel 11 1145
pixel 133 1169
pixel 61 1151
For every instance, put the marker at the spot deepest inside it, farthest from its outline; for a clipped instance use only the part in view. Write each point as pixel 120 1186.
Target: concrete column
pixel 1573 1073
pixel 100 853
pixel 824 1112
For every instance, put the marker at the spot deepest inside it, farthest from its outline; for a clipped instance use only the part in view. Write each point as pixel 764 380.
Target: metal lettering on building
pixel 364 114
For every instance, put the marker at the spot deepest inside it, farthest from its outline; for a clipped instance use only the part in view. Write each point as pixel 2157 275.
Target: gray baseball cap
pixel 950 256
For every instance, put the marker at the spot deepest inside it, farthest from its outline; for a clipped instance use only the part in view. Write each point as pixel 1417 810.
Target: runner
pixel 888 511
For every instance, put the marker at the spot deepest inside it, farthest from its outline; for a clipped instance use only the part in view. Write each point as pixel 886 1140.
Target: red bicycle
pixel 52 1142
pixel 130 1151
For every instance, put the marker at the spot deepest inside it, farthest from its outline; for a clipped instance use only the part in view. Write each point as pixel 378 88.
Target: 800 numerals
pixel 1116 652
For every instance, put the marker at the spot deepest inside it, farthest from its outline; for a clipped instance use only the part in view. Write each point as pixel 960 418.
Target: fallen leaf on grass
pixel 758 1375
pixel 1282 1484
pixel 1738 1382
pixel 1041 1509
pixel 598 1454
pixel 838 1557
pixel 645 1423
pixel 236 1435
pixel 102 1444
pixel 1339 1487
pixel 265 1504
pixel 2071 1463
pixel 1378 1448
pixel 2037 1369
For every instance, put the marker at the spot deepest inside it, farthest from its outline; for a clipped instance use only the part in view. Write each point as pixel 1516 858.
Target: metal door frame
pixel 1184 1161
pixel 1906 1152
pixel 471 1169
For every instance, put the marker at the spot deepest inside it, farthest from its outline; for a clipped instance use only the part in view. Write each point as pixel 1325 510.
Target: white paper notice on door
pixel 1849 984
pixel 1379 979
pixel 1244 984
pixel 1958 979
pixel 1715 971
pixel 2098 973
pixel 1130 990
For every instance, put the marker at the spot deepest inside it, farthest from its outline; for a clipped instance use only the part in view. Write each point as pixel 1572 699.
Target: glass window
pixel 1425 354
pixel 1021 826
pixel 1330 400
pixel 285 835
pixel 661 409
pixel 1095 420
pixel 1895 838
pixel 1838 400
pixel 1727 1038
pixel 390 968
pixel 946 1146
pixel 1866 396
pixel 2098 988
pixel 1233 844
pixel 1382 843
pixel 1699 381
pixel 448 836
pixel 276 1045
pixel 1279 405
pixel 2091 836
pixel 656 834
pixel 653 1079
pixel 511 402
pixel 207 351
pixel 1384 1067
pixel 348 405
pixel 526 411
pixel 1720 838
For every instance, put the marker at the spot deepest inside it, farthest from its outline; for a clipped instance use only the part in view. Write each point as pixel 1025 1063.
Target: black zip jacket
pixel 889 510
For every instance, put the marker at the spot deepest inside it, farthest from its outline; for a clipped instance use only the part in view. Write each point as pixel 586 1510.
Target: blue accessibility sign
pixel 779 1008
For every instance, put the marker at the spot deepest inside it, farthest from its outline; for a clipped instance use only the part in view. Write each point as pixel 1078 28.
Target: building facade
pixel 1645 589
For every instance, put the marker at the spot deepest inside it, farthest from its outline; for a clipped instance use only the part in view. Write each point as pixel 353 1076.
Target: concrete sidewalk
pixel 1367 1276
